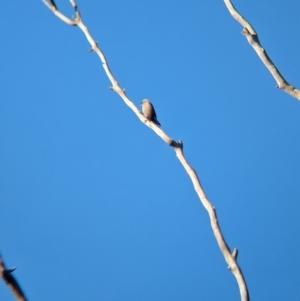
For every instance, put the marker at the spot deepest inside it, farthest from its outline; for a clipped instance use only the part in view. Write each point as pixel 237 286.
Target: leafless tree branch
pixel 11 282
pixel 177 146
pixel 252 37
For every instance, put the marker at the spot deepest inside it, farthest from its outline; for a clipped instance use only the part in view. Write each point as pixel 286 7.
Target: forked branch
pixel 230 258
pixel 252 37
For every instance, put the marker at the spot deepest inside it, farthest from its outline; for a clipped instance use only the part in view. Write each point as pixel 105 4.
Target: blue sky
pixel 94 206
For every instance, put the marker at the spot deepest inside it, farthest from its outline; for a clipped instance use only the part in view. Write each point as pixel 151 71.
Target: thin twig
pixel 178 148
pixel 11 282
pixel 252 37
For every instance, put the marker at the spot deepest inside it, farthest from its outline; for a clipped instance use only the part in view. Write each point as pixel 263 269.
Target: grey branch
pixel 11 282
pixel 253 40
pixel 177 146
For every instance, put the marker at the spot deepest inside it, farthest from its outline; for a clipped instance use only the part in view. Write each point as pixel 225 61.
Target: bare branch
pixel 178 148
pixel 229 258
pixel 11 282
pixel 253 40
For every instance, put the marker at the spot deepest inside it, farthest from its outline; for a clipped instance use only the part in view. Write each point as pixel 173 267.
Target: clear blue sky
pixel 94 206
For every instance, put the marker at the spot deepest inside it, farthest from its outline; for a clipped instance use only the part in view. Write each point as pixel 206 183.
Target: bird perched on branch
pixel 148 111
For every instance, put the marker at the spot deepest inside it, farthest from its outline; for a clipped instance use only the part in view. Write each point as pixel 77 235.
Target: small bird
pixel 148 111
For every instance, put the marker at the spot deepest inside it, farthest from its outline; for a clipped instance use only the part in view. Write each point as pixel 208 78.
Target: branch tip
pixel 180 144
pixel 235 253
